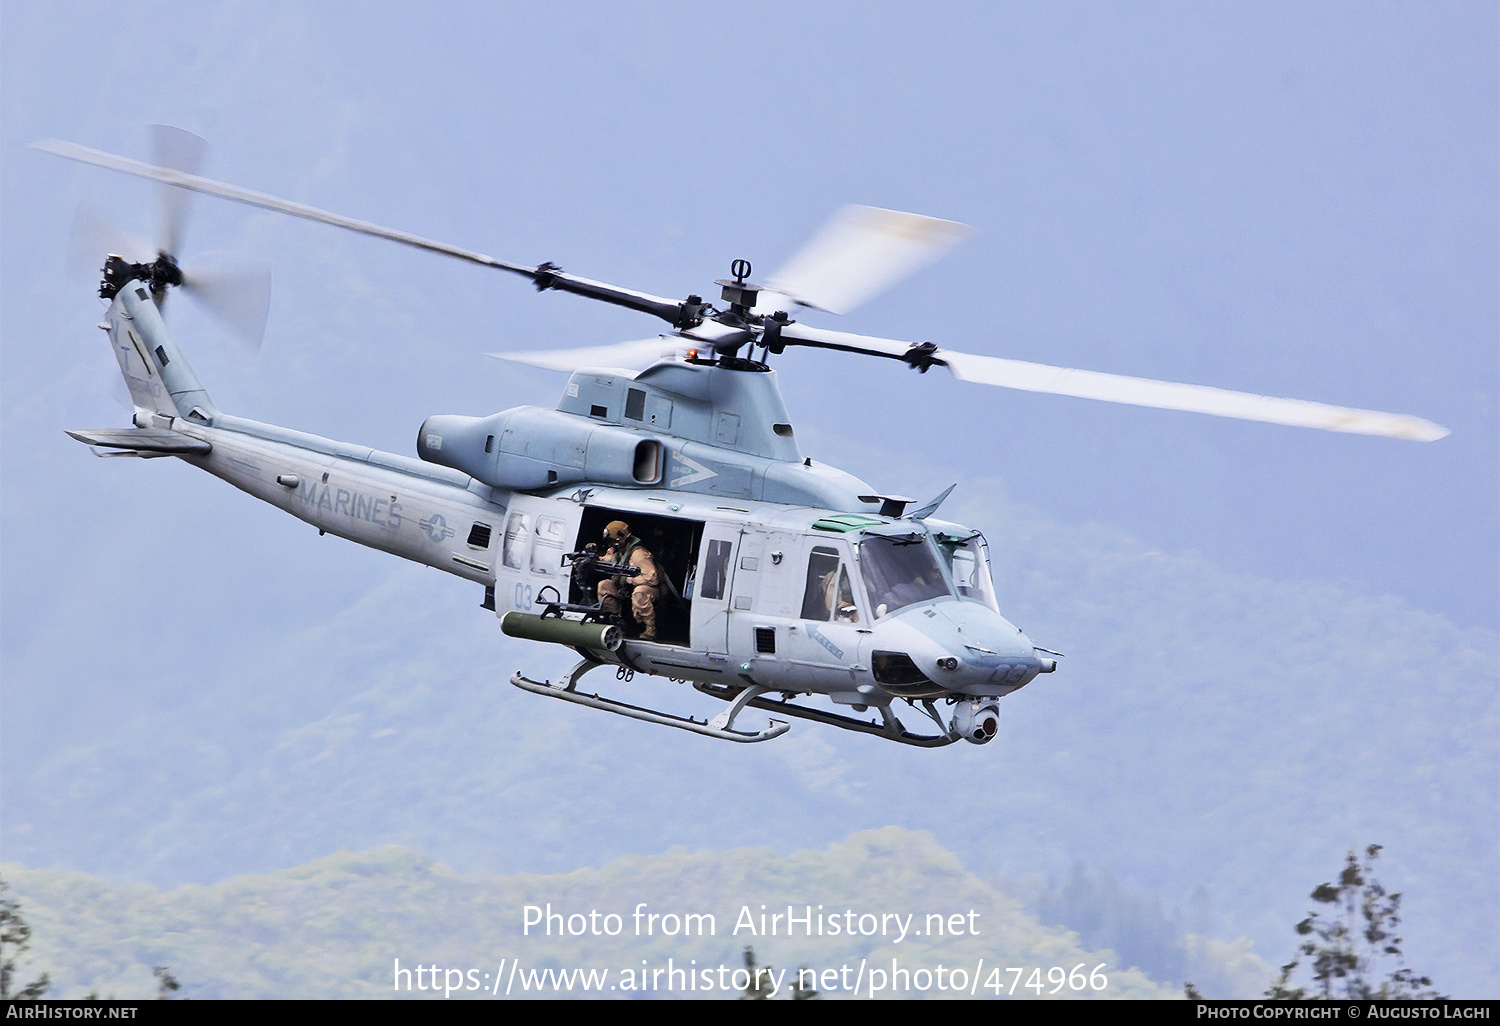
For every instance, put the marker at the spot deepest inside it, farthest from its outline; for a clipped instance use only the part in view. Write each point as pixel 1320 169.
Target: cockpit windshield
pixel 969 561
pixel 900 570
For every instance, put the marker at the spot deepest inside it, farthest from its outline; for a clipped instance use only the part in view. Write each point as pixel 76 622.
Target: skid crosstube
pixel 565 691
pixel 729 693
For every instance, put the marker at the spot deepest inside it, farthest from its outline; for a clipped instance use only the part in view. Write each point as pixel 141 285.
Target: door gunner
pixel 643 589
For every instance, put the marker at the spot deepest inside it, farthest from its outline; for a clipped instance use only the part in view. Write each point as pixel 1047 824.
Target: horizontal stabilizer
pixel 162 440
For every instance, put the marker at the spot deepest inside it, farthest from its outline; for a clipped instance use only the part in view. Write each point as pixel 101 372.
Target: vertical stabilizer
pixel 158 376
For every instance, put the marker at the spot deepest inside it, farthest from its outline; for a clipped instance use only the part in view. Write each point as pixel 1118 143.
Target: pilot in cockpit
pixel 838 597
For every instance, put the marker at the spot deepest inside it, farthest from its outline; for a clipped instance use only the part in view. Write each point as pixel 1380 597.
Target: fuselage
pixel 795 598
pixel 763 584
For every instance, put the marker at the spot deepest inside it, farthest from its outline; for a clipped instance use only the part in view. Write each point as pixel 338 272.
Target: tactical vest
pixel 631 544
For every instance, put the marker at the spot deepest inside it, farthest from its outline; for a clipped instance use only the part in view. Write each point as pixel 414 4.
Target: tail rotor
pixel 239 298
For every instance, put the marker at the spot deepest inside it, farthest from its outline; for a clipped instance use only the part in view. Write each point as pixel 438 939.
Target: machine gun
pixel 590 567
pixel 587 567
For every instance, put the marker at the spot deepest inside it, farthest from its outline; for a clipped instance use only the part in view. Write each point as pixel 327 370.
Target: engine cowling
pixel 529 448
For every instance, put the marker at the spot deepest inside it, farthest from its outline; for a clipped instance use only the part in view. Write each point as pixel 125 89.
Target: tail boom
pixel 419 511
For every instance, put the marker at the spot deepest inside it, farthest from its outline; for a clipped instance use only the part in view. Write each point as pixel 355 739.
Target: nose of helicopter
pixel 963 647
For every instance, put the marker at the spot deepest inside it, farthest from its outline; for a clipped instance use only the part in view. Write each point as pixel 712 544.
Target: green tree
pixel 15 939
pixel 801 993
pixel 1350 941
pixel 755 990
pixel 758 989
pixel 166 983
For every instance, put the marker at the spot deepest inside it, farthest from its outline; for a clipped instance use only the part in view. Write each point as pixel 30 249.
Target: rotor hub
pixel 159 275
pixel 739 293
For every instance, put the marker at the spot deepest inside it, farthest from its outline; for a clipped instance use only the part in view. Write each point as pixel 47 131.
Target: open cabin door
pixel 674 547
pixel 530 547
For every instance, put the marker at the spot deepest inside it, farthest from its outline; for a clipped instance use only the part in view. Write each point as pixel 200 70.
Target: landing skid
pixel 721 726
pixel 891 729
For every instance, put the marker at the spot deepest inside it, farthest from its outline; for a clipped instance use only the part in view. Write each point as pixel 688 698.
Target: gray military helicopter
pixel 779 576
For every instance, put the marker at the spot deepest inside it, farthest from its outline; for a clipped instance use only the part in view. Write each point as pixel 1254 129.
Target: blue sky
pixel 1290 199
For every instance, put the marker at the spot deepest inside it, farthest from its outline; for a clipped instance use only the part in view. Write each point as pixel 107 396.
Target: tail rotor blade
pixel 240 299
pixel 95 237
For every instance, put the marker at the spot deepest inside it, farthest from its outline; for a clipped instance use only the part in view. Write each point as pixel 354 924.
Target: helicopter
pixel 780 578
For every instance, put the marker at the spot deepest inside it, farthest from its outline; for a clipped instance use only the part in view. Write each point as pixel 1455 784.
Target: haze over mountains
pixel 1205 731
pixel 861 912
pixel 1280 644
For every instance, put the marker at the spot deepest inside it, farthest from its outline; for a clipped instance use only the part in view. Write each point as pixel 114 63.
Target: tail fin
pixel 156 373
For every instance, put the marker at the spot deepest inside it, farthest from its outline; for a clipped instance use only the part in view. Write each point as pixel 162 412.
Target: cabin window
pixel 517 538
pixel 599 411
pixel 716 569
pixel 479 536
pixel 547 550
pixel 635 404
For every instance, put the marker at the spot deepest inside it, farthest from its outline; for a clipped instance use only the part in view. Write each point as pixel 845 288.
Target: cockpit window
pixel 829 595
pixel 844 609
pixel 969 561
pixel 899 571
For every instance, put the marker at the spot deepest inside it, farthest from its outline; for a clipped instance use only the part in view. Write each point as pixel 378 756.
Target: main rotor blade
pixel 544 276
pixel 635 355
pixel 705 338
pixel 181 151
pixel 848 342
pixel 860 252
pixel 1170 395
pixel 708 338
pixel 183 180
pixel 1118 388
